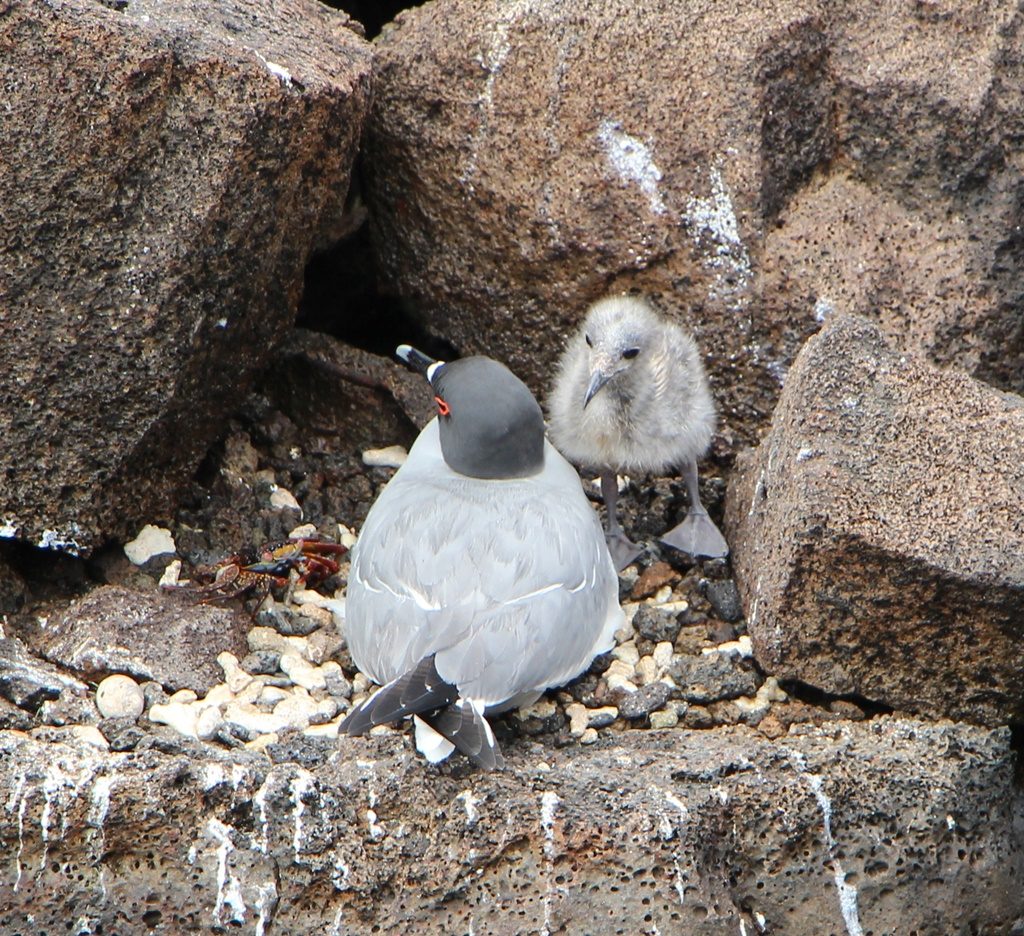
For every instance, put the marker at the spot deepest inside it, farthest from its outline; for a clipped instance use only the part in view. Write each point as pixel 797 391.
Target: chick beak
pixel 597 380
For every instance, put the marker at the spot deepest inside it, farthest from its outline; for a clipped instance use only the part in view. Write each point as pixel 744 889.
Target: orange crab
pixel 256 571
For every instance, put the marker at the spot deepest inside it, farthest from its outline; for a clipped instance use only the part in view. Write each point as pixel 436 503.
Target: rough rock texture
pixel 29 682
pixel 149 636
pixel 752 166
pixel 876 532
pixel 827 831
pixel 167 170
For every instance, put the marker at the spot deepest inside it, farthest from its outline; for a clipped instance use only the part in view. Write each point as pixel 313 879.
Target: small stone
pixel 655 577
pixel 360 683
pixel 303 531
pixel 393 456
pixel 667 718
pixel 641 703
pixel 89 734
pixel 741 648
pixel 379 731
pixel 122 734
pixel 589 736
pixel 261 662
pixel 646 670
pixel 620 668
pixel 577 715
pixel 183 697
pixel 725 599
pixel 627 653
pixel 326 730
pixel 619 683
pixel 171 574
pixel 208 723
pixel 662 595
pixel 263 741
pixel 218 695
pixel 323 644
pixel 69 708
pixel 286 621
pixel 663 653
pixel 601 717
pixel 152 541
pixel 542 708
pixel 337 685
pixel 271 695
pixel 283 499
pixel 180 716
pixel 267 638
pixel 120 697
pixel 235 677
pixel 154 694
pixel 302 673
pixel 318 615
pixel 656 624
pixel 236 731
pixel 326 710
pixel 345 536
pixel 252 691
pixel 698 717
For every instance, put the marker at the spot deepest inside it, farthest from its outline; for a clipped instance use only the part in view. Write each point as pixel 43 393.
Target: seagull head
pixel 489 422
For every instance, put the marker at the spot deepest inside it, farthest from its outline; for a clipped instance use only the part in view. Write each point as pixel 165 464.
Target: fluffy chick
pixel 631 396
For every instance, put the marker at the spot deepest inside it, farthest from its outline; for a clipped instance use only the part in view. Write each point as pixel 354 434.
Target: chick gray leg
pixel 697 534
pixel 623 550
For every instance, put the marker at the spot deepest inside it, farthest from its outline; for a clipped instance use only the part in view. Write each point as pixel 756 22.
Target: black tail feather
pixel 419 690
pixel 469 731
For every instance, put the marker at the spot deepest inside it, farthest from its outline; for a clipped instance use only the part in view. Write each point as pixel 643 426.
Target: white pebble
pixel 393 456
pixel 178 715
pixel 627 653
pixel 616 681
pixel 183 696
pixel 283 499
pixel 248 716
pixel 302 673
pixel 577 713
pixel 360 683
pixel 120 697
pixel 208 723
pixel 620 668
pixel 266 638
pixel 90 734
pixel 327 730
pixel 151 541
pixel 740 648
pixel 303 531
pixel 271 695
pixel 235 677
pixel 646 670
pixel 345 536
pixel 663 653
pixel 263 741
pixel 662 595
pixel 320 615
pixel 589 736
pixel 172 572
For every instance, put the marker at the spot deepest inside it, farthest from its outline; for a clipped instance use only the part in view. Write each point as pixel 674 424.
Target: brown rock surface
pixel 746 164
pixel 163 637
pixel 167 170
pixel 876 532
pixel 830 830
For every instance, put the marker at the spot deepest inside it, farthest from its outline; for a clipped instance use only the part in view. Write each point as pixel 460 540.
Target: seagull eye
pixel 590 344
pixel 630 353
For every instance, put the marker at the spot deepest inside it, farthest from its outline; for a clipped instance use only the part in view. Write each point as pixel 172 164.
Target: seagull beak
pixel 418 361
pixel 597 380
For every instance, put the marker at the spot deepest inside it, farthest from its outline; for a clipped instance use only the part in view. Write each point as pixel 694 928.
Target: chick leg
pixel 697 534
pixel 623 550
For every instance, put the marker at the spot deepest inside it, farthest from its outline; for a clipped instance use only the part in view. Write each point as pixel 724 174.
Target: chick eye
pixel 630 353
pixel 590 344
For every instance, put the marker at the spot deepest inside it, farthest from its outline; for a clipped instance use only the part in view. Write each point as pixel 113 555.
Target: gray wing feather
pixel 512 593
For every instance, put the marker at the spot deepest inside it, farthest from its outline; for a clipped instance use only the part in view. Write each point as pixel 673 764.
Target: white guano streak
pixel 631 160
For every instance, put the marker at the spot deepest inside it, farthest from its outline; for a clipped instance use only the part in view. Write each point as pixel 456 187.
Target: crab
pixel 257 571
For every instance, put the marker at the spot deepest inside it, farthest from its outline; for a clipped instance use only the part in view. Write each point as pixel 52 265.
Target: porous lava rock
pixel 167 171
pixel 876 531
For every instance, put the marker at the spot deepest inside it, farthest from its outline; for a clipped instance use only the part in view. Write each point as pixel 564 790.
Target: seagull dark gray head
pixel 490 425
pixel 618 332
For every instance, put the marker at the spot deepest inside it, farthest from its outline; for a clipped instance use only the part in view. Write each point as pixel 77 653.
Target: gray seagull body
pixel 469 595
pixel 631 396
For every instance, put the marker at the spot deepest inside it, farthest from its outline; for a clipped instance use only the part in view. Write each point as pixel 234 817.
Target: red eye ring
pixel 443 408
